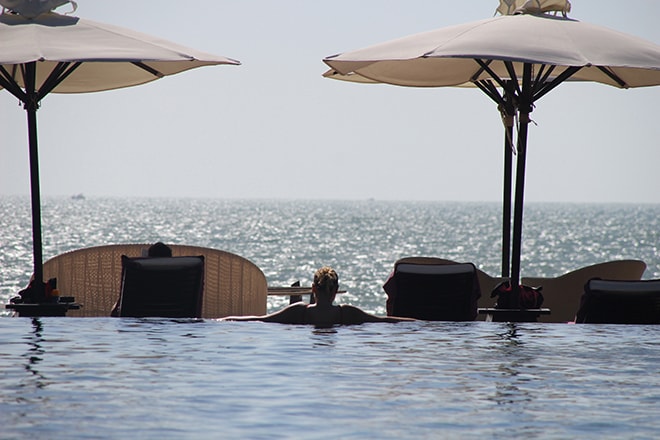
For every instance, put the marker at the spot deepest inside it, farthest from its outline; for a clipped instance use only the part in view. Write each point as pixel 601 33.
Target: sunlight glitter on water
pixel 289 240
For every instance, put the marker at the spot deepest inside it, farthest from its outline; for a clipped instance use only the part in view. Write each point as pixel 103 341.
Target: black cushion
pixel 164 287
pixel 446 292
pixel 620 302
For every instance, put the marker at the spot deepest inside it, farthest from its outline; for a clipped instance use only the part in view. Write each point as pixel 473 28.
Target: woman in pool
pixel 323 313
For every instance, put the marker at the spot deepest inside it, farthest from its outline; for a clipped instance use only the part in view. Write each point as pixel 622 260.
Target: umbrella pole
pixel 525 109
pixel 31 105
pixel 518 203
pixel 508 113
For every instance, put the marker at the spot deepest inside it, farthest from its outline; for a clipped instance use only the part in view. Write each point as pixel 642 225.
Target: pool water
pixel 160 378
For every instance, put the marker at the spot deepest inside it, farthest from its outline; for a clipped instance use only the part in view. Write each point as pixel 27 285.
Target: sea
pixel 162 378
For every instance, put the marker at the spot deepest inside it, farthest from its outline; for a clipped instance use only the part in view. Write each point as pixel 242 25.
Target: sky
pixel 274 128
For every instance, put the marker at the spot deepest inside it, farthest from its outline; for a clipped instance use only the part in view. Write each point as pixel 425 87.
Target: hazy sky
pixel 274 128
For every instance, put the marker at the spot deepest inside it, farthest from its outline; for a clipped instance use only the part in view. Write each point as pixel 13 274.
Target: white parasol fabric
pixel 112 57
pixel 445 57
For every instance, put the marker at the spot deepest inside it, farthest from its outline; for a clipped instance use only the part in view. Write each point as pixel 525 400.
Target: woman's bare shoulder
pixel 293 314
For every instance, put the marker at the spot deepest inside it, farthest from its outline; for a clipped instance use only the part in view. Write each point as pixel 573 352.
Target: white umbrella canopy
pixel 111 57
pixel 515 60
pixel 445 57
pixel 44 52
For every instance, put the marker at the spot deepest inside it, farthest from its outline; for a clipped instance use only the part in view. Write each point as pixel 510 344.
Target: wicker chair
pixel 233 285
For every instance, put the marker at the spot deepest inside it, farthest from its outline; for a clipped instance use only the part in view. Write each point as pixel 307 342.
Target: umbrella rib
pixel 547 87
pixel 9 83
pixel 514 78
pixel 499 99
pixel 544 73
pixel 490 90
pixel 149 69
pixel 59 74
pixel 613 76
pixel 494 76
pixel 479 72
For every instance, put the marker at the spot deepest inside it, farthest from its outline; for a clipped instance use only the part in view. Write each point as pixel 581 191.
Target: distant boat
pixel 78 197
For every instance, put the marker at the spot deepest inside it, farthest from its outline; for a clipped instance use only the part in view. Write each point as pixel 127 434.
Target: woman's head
pixel 326 280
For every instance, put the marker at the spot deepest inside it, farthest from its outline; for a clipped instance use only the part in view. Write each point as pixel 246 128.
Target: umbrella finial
pixel 511 7
pixel 34 8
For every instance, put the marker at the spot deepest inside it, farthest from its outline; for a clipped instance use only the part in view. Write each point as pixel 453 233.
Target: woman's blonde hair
pixel 326 280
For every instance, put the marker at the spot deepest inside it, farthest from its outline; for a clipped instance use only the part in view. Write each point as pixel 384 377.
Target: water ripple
pixel 192 378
